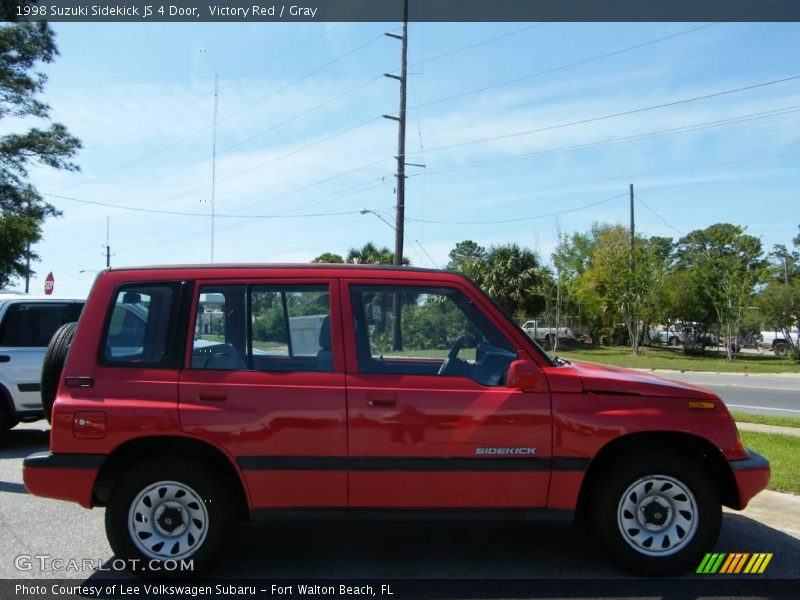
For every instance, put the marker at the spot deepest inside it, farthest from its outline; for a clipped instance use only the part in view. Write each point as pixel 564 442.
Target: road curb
pixel 774 429
pixel 765 375
pixel 775 509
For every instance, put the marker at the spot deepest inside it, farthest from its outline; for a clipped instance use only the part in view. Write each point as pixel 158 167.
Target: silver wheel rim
pixel 657 515
pixel 168 520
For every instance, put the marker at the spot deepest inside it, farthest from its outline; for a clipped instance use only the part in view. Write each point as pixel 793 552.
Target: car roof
pixel 301 270
pixel 270 266
pixel 15 297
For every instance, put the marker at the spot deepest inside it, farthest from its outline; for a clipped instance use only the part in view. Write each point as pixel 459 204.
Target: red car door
pixel 264 380
pixel 427 431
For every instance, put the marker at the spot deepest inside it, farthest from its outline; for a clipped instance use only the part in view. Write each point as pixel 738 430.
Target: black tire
pixel 625 537
pixel 781 349
pixel 53 364
pixel 5 420
pixel 215 522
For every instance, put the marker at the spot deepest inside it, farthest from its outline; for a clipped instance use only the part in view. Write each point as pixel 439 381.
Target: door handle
pixel 212 396
pixel 5 358
pixel 379 399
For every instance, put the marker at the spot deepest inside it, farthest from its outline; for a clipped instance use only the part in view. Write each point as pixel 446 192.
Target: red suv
pixel 196 396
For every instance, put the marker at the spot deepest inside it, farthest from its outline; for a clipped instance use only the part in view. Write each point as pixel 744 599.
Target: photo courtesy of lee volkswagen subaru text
pixel 193 397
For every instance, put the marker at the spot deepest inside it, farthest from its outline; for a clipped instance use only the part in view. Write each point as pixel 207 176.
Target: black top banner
pixel 392 10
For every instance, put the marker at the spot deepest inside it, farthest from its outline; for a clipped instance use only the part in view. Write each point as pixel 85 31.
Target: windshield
pixel 536 348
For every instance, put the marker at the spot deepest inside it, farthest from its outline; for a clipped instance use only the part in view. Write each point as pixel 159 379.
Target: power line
pixel 149 181
pixel 521 219
pixel 595 58
pixel 193 214
pixel 618 114
pixel 487 162
pixel 242 109
pixel 658 216
pixel 613 179
pixel 620 140
pixel 507 34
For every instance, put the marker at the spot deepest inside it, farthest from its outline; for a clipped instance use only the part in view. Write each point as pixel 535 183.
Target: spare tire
pixel 53 364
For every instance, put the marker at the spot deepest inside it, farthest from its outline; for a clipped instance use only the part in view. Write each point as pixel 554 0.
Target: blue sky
pixel 300 133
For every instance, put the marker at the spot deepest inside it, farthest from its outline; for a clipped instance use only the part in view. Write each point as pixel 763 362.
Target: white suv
pixel 26 325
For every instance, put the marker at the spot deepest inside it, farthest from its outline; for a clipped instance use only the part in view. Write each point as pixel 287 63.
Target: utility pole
pixel 214 161
pixel 28 269
pixel 635 333
pixel 633 227
pixel 108 242
pixel 401 171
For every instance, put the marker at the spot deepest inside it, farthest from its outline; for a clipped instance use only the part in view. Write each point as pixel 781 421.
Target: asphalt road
pixel 567 558
pixel 773 395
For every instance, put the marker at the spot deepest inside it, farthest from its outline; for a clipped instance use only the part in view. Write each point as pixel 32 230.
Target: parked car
pixel 777 342
pixel 27 323
pixel 538 331
pixel 181 429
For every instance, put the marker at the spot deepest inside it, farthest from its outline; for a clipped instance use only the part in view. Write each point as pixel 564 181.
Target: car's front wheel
pixel 657 514
pixel 169 519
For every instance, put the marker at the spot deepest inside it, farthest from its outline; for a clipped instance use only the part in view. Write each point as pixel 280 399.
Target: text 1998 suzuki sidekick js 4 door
pixel 195 396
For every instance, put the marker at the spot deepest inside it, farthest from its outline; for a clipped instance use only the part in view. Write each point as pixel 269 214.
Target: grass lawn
pixel 674 359
pixel 765 419
pixel 783 453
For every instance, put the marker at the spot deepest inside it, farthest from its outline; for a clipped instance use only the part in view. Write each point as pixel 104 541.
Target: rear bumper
pixel 751 475
pixel 62 476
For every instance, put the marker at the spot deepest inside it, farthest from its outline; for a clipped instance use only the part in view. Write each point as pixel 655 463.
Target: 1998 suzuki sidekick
pixel 195 396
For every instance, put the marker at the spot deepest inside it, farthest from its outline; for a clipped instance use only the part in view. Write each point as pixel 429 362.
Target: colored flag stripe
pixel 724 563
pixel 740 563
pixel 702 567
pixel 727 564
pixel 765 563
pixel 717 563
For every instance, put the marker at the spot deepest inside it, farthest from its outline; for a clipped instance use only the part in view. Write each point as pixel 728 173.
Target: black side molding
pixel 48 460
pixel 537 515
pixel 29 387
pixel 417 464
pixel 755 461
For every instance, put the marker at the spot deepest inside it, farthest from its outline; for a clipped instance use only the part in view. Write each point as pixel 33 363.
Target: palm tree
pixel 515 278
pixel 370 254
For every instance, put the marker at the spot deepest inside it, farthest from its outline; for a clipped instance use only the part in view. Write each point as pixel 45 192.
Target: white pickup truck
pixel 539 332
pixel 777 342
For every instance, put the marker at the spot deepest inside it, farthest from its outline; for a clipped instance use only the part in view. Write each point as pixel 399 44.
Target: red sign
pixel 49 282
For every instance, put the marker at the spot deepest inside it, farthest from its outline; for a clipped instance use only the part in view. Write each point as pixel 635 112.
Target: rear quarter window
pixel 140 326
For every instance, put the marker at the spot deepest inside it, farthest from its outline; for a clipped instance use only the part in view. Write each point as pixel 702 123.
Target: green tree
pixel 22 208
pixel 626 283
pixel 515 278
pixel 726 264
pixel 468 258
pixel 328 257
pixel 780 307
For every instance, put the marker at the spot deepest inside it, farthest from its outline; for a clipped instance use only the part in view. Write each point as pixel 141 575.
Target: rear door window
pixel 263 328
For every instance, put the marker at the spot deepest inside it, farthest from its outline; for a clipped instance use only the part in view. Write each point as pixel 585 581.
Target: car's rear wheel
pixel 162 513
pixel 781 349
pixel 657 514
pixel 53 364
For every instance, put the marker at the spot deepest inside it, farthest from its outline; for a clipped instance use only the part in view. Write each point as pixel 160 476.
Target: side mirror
pixel 522 375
